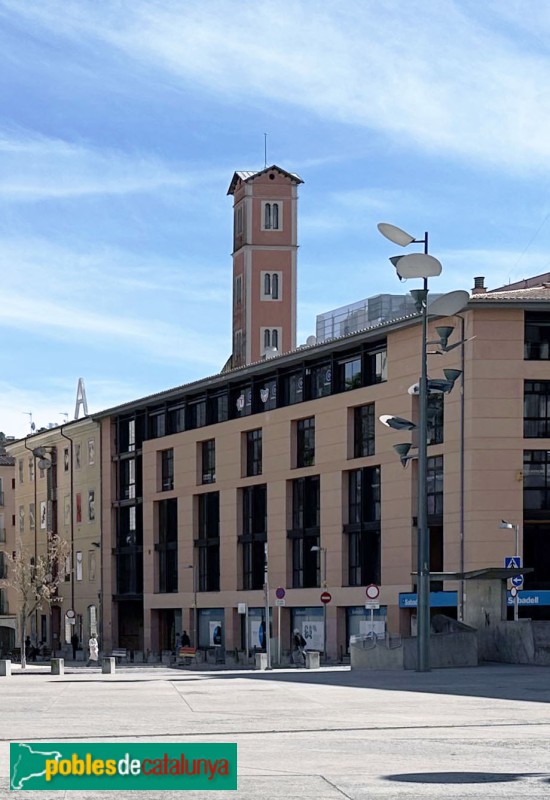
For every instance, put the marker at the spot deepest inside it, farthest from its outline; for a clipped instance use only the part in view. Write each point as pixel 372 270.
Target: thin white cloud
pixel 439 75
pixel 34 167
pixel 108 298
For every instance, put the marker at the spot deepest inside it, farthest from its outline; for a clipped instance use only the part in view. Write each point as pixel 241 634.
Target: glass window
pixel 208 461
pixel 434 486
pixel 167 469
pixel 197 413
pixel 157 424
pixel 537 336
pixel 363 528
pixel 320 380
pixel 305 503
pixel 351 376
pixel 363 431
pixel 268 395
pixel 436 407
pixel 275 216
pixel 305 442
pixel 274 286
pixel 243 401
pixel 176 419
pixel 536 480
pixel 167 545
pixel 293 387
pixel 254 452
pixel 536 409
pixel 218 407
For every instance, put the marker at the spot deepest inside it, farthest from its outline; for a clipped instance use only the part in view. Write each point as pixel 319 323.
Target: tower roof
pixel 246 176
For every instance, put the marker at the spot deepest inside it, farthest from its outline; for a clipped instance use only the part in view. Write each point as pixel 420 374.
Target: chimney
pixel 479 286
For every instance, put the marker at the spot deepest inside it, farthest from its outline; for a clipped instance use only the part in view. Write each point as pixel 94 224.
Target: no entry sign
pixel 326 597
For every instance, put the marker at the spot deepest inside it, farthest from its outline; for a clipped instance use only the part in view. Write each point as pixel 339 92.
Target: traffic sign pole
pixel 279 635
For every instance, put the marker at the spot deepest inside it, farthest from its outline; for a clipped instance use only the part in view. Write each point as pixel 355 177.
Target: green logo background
pixel 28 766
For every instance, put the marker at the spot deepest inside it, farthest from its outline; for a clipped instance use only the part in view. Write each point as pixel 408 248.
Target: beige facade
pixel 58 490
pixel 479 473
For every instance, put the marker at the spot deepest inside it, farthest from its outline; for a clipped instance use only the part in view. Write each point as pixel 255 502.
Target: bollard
pixel 57 666
pixel 261 660
pixel 5 668
pixel 312 659
pixel 108 666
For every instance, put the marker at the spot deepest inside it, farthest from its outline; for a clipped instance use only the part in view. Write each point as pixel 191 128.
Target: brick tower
pixel 264 263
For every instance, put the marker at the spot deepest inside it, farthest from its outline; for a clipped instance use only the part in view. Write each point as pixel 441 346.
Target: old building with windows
pixel 57 491
pixel 8 603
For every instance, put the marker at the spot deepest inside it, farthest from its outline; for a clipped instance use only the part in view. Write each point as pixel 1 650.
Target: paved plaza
pixel 326 735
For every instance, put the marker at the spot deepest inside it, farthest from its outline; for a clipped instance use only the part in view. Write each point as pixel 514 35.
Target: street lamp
pixel 267 608
pixel 323 565
pixel 513 527
pixel 195 611
pixel 422 265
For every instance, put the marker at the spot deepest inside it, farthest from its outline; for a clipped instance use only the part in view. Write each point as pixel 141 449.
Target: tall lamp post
pixel 513 526
pixel 422 265
pixel 323 568
pixel 267 608
pixel 195 611
pixel 419 265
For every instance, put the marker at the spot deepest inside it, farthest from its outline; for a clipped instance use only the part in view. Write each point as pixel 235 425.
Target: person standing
pixel 93 647
pixel 185 640
pixel 74 642
pixel 298 646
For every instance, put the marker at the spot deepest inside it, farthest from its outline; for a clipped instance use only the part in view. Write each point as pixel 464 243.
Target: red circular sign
pixel 372 591
pixel 326 597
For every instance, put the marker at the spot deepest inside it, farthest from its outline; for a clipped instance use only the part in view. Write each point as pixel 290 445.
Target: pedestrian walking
pixel 185 640
pixel 93 647
pixel 74 642
pixel 298 647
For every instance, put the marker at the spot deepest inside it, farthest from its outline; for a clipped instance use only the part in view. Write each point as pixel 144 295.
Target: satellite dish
pixel 311 340
pixel 449 304
pixel 416 265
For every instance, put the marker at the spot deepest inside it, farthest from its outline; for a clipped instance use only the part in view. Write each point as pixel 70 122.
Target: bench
pixel 119 652
pixel 187 654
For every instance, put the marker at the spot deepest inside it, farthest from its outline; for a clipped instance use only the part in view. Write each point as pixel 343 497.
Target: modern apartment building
pixel 289 452
pixel 58 491
pixel 278 465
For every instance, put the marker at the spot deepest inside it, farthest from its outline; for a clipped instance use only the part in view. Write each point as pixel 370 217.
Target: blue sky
pixel 122 122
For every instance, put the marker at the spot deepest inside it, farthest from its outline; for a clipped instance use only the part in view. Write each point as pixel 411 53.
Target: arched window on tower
pixel 274 286
pixel 274 338
pixel 275 216
pixel 267 216
pixel 267 284
pixel 267 338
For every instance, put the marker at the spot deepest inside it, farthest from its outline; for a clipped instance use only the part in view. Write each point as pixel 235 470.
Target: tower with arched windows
pixel 264 263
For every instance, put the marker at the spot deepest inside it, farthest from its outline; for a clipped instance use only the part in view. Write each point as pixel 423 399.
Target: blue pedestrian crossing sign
pixel 517 581
pixel 512 562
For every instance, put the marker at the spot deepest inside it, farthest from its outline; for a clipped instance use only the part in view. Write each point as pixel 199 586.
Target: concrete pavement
pixel 456 733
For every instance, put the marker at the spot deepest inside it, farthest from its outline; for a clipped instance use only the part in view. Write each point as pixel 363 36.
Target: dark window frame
pixel 364 431
pixel 254 452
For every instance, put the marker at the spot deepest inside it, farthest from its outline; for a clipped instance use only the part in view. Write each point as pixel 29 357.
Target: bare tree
pixel 36 584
